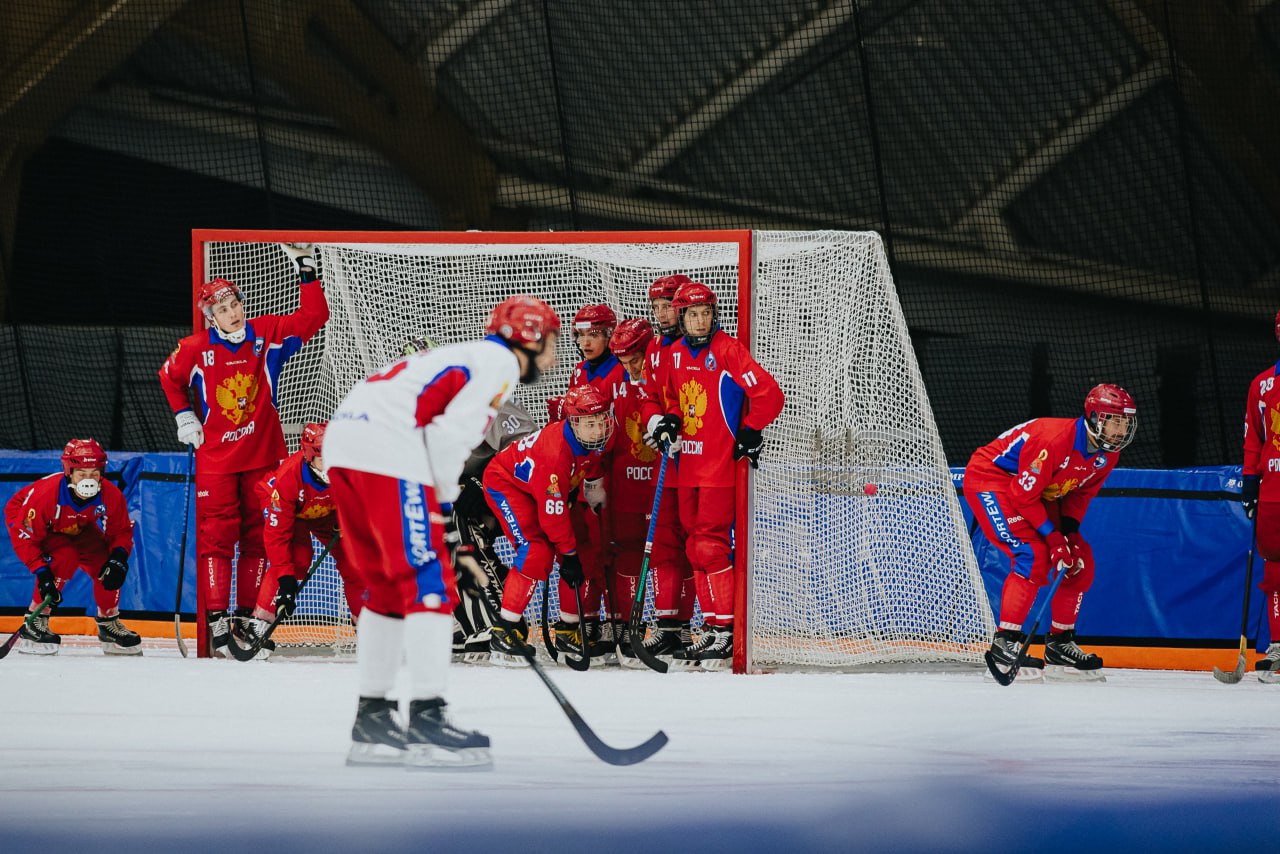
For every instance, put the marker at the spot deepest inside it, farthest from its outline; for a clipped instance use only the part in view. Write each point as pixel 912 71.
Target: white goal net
pixel 836 577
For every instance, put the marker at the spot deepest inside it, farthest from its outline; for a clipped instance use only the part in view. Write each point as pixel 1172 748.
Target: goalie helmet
pixel 214 292
pixel 582 402
pixel 523 320
pixel 595 317
pixel 313 440
pixel 1103 403
pixel 631 336
pixel 665 287
pixel 419 344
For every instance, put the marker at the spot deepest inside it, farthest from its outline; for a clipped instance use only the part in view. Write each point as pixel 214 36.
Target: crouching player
pixel 72 521
pixel 297 506
pixel 527 486
pixel 395 449
pixel 1029 490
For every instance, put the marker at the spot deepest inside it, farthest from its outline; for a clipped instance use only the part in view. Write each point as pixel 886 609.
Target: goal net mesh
pixel 838 577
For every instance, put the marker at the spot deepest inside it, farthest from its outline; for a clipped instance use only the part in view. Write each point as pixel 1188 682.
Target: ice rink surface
pixel 166 754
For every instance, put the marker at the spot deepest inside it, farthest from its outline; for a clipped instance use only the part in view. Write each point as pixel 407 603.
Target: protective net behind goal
pixel 837 577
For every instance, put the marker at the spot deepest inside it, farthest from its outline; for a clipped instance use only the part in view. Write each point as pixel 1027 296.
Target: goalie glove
pixel 115 569
pixel 190 430
pixel 470 575
pixel 302 254
pixel 287 597
pixel 747 442
pixel 593 494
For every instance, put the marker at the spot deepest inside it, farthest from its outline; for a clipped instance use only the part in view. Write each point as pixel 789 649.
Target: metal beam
pixel 468 25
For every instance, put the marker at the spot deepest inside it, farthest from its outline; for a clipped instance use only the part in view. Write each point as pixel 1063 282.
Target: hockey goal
pixel 850 532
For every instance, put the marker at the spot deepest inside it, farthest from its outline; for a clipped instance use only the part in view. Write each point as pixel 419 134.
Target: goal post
pixel 830 576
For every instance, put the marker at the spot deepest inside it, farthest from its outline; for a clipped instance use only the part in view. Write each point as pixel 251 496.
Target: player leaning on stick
pixel 223 385
pixel 75 520
pixel 1029 490
pixel 395 448
pixel 1261 495
pixel 718 399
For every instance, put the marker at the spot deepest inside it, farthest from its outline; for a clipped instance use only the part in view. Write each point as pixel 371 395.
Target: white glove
pixel 303 254
pixel 190 432
pixel 593 493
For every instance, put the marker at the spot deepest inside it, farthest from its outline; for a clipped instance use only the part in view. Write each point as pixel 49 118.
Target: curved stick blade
pixel 1233 676
pixel 1002 676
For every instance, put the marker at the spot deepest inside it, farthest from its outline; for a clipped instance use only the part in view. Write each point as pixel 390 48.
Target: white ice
pixel 164 754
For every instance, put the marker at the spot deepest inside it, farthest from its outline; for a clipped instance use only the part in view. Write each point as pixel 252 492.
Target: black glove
pixel 470 503
pixel 571 570
pixel 48 586
pixel 468 573
pixel 666 431
pixel 747 442
pixel 287 597
pixel 1249 495
pixel 114 570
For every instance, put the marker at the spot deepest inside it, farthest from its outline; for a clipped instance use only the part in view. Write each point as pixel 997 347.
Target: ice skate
pixel 506 640
pixel 219 632
pixel 37 639
pixel 249 635
pixel 1004 650
pixel 1067 662
pixel 600 646
pixel 475 648
pixel 376 736
pixel 662 643
pixel 116 638
pixel 686 658
pixel 719 651
pixel 569 639
pixel 1268 667
pixel 432 743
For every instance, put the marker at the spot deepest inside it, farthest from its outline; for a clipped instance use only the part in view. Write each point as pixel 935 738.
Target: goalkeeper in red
pixel 223 385
pixel 718 399
pixel 395 450
pixel 1261 496
pixel 1029 490
pixel 75 520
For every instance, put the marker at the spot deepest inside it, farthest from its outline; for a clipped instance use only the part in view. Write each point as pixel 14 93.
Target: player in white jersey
pixel 395 448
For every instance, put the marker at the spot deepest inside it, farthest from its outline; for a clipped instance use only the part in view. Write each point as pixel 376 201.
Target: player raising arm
pixel 395 448
pixel 718 399
pixel 76 520
pixel 1029 490
pixel 223 385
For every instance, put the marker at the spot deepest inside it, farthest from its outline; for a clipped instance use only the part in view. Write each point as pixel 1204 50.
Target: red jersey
pixel 547 465
pixel 632 470
pixel 236 386
pixel 709 387
pixel 658 358
pixel 607 377
pixel 44 512
pixel 1262 433
pixel 291 495
pixel 1045 459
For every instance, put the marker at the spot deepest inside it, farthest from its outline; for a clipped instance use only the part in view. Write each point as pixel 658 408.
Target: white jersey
pixel 419 418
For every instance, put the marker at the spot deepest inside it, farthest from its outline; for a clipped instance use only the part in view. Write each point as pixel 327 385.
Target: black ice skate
pixel 1065 660
pixel 475 648
pixel 687 656
pixel 219 632
pixel 376 737
pixel 719 651
pixel 600 645
pixel 662 643
pixel 116 638
pixel 1268 667
pixel 506 642
pixel 1004 650
pixel 251 634
pixel 432 743
pixel 37 639
pixel 569 638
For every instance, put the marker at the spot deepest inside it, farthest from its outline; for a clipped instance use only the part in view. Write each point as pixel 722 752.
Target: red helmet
pixel 665 287
pixel 586 400
pixel 214 292
pixel 313 440
pixel 631 336
pixel 595 317
pixel 522 320
pixel 1104 402
pixel 693 293
pixel 83 454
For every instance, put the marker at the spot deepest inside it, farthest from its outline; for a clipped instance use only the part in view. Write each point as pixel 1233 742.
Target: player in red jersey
pixel 528 485
pixel 674 592
pixel 1029 490
pixel 230 374
pixel 593 328
pixel 75 520
pixel 1261 496
pixel 718 399
pixel 297 505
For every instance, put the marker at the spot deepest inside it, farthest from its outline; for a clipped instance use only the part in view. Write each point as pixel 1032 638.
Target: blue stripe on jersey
pixel 574 444
pixel 277 355
pixel 523 470
pixel 415 528
pixel 1023 555
pixel 197 383
pixel 731 399
pixel 215 338
pixel 602 369
pixel 1009 458
pixel 521 545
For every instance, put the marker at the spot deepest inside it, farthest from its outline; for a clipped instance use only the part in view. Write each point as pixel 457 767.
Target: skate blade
pixel 1061 673
pixel 474 657
pixel 363 754
pixel 682 663
pixel 503 659
pixel 632 663
pixel 431 757
pixel 112 648
pixel 712 664
pixel 29 647
pixel 1269 677
pixel 1034 675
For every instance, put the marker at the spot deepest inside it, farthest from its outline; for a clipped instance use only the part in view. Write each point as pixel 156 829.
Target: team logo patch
pixel 1100 461
pixel 711 361
pixel 1038 461
pixel 236 396
pixel 635 433
pixel 257 346
pixel 553 488
pixel 693 403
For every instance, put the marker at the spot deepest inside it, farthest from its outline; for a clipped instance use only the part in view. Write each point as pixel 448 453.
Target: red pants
pixel 88 551
pixel 1029 554
pixel 229 511
pixel 1269 550
pixel 669 564
pixel 393 537
pixel 706 512
pixel 629 530
pixel 303 554
pixel 586 531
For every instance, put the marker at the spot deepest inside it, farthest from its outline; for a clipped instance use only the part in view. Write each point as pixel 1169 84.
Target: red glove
pixel 1078 547
pixel 1059 550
